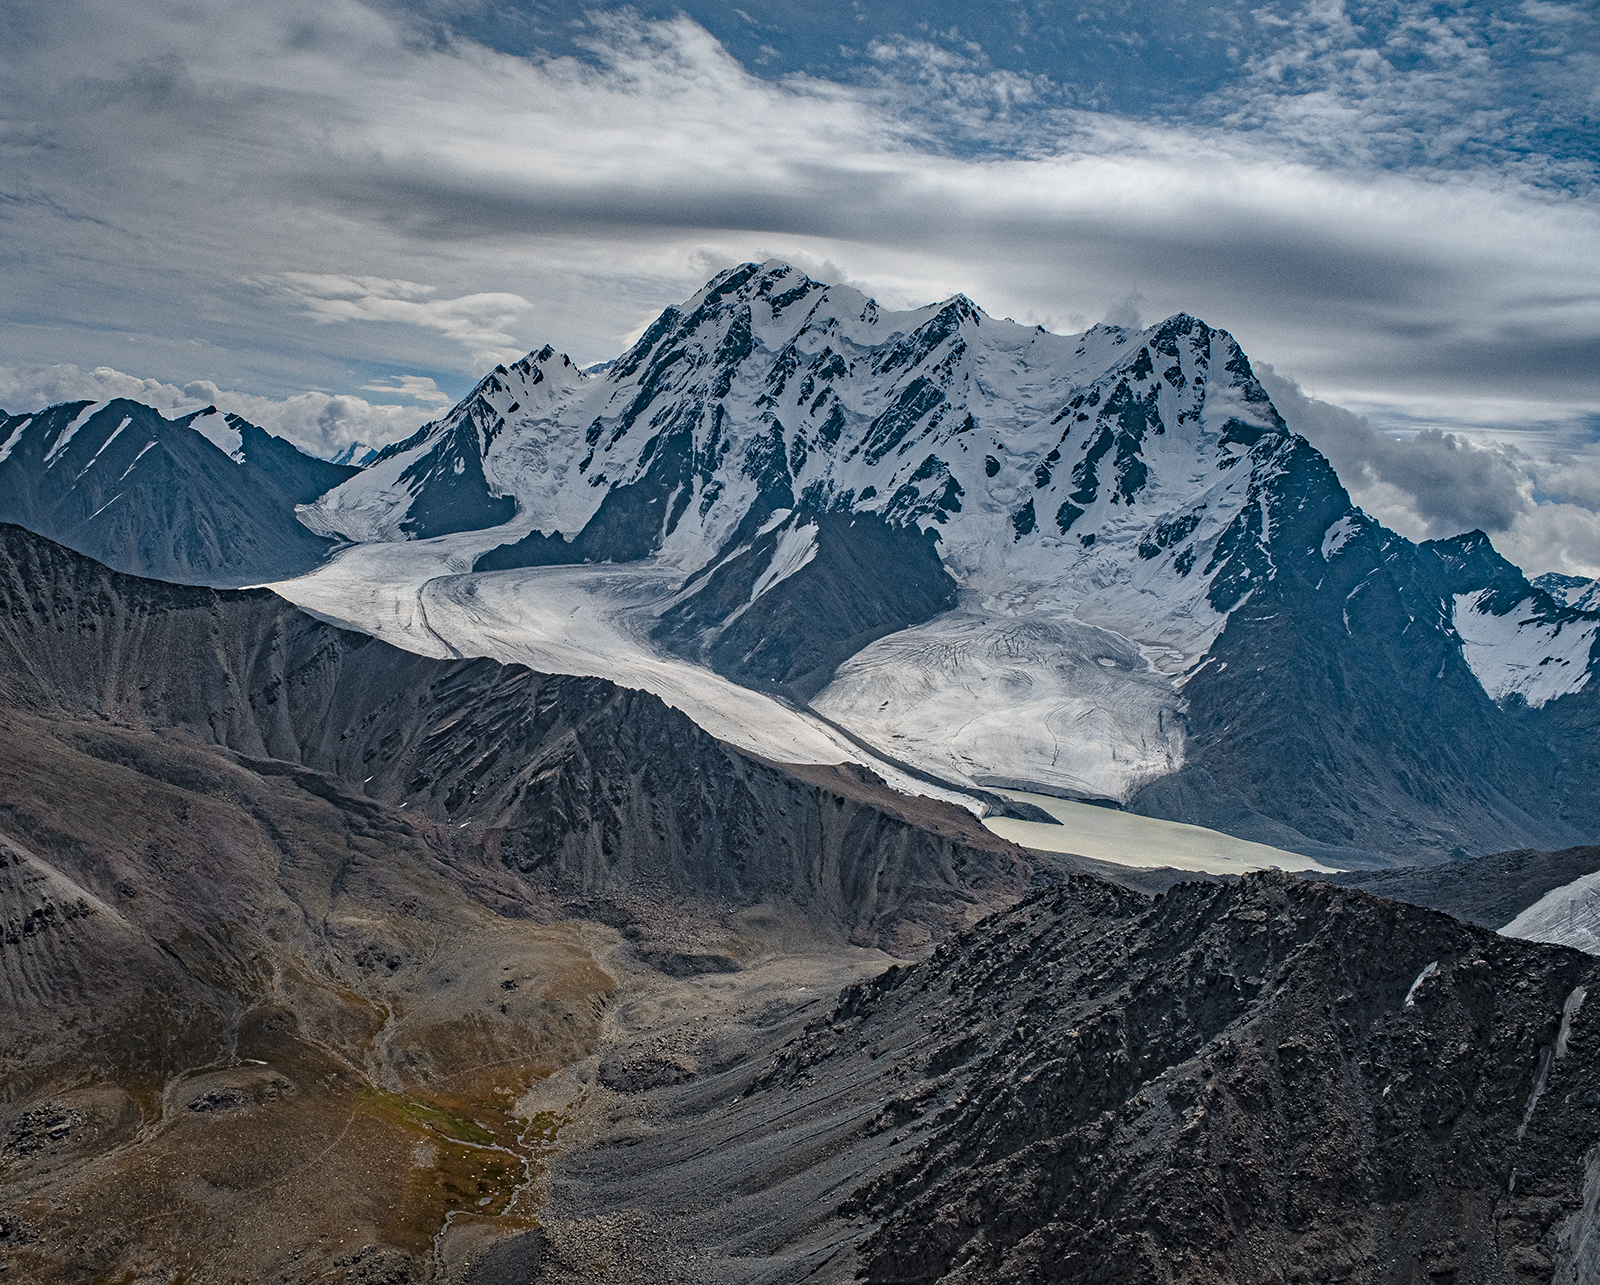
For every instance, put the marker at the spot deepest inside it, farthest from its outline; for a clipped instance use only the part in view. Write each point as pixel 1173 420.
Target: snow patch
pixel 115 433
pixel 16 436
pixel 1521 652
pixel 1422 977
pixel 796 547
pixel 107 504
pixel 136 460
pixel 1339 535
pixel 1569 1010
pixel 68 433
pixel 1564 916
pixel 221 434
pixel 778 518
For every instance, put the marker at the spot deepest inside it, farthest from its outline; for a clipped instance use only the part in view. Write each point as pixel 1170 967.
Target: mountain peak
pixel 963 307
pixel 770 390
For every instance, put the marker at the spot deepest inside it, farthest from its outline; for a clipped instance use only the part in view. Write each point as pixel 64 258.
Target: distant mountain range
pixel 1097 565
pixel 203 499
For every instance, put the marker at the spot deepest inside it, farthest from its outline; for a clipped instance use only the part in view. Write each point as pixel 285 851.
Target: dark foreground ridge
pixel 1263 1080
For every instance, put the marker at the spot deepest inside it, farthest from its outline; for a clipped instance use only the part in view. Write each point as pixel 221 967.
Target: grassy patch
pixel 396 1109
pixel 457 1172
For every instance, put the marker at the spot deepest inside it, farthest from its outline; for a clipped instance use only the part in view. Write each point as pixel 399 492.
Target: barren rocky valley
pixel 327 962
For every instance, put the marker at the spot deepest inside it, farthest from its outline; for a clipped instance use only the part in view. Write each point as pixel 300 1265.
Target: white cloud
pixel 320 147
pixel 477 322
pixel 1457 86
pixel 417 387
pixel 321 423
pixel 1554 537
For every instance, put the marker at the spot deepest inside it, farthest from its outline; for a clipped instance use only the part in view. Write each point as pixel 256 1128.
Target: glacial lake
pixel 1109 835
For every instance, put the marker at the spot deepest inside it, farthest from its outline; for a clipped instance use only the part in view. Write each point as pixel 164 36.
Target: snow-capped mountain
pixel 1100 564
pixel 755 436
pixel 1574 591
pixel 206 498
pixel 359 454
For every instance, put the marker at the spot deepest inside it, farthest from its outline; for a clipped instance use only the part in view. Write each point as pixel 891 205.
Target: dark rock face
pixel 1262 1080
pixel 151 496
pixel 1571 727
pixel 860 579
pixel 451 491
pixel 1491 890
pixel 573 782
pixel 1337 703
pixel 1275 1086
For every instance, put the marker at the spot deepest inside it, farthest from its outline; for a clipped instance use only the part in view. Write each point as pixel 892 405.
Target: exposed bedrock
pixel 1263 1080
pixel 573 782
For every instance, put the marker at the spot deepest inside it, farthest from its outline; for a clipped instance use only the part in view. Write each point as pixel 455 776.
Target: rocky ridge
pixel 203 499
pixel 1261 1080
pixel 567 780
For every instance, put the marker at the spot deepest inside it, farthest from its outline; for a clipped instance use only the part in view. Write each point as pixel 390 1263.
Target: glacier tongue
pixel 420 595
pixel 1034 696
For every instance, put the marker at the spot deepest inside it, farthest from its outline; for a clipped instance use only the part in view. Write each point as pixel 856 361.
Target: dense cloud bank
pixel 387 198
pixel 1539 509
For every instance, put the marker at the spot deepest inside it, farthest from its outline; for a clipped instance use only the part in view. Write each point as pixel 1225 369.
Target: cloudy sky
pixel 333 216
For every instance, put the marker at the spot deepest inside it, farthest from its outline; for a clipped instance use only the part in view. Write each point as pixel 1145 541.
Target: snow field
pixel 1565 916
pixel 1520 653
pixel 1035 696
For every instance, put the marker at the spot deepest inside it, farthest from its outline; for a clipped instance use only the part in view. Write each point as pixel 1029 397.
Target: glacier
pixel 979 553
pixel 1073 537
